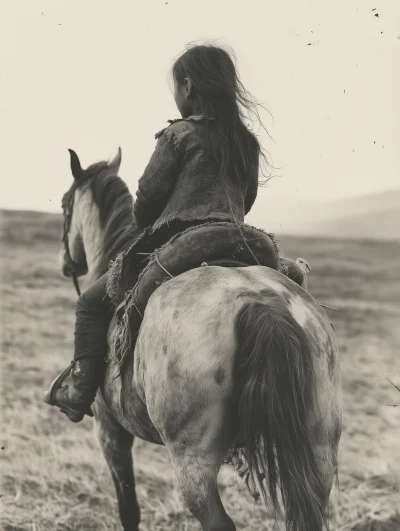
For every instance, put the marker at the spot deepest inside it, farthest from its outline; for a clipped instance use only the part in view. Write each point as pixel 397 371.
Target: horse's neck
pixel 90 229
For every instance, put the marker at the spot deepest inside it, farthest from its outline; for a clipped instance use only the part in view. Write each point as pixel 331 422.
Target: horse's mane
pixel 115 204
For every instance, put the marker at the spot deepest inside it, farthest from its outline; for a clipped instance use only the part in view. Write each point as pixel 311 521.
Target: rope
pixel 326 306
pixel 238 225
pixel 137 309
pixel 76 283
pixel 163 268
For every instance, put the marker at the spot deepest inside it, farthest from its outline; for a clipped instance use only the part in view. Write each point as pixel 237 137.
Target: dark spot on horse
pixel 215 325
pixel 186 295
pixel 219 375
pixel 164 347
pixel 186 440
pixel 203 430
pixel 175 314
pixel 173 370
pixel 177 422
pixel 163 304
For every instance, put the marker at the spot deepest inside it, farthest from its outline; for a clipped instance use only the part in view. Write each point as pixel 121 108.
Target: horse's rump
pixel 217 243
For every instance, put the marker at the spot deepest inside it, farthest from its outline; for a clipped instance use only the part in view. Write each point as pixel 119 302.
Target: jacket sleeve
pixel 252 190
pixel 156 183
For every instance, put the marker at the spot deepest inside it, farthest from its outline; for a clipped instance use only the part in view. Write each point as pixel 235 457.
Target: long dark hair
pixel 218 93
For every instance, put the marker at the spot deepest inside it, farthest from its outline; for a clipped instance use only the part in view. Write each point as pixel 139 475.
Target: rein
pixel 65 240
pixel 76 283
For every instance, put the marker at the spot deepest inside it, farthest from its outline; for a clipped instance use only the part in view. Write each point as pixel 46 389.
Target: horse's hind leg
pixel 198 438
pixel 116 444
pixel 197 472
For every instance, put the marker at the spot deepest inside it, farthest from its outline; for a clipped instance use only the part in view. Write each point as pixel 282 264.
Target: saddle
pixel 218 243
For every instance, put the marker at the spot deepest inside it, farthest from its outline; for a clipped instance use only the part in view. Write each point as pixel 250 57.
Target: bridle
pixel 65 240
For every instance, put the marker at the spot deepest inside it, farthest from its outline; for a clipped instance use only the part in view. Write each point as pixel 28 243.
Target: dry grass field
pixel 53 475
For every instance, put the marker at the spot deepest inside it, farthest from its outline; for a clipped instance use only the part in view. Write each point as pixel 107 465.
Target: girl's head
pixel 206 82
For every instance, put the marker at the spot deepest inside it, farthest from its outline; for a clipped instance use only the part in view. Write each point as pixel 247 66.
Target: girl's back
pixel 190 185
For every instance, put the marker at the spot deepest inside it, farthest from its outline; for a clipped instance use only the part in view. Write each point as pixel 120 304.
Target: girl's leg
pixel 93 315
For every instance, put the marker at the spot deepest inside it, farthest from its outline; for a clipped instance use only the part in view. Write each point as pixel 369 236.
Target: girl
pixel 205 167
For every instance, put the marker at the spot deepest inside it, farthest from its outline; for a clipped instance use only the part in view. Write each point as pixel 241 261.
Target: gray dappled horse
pixel 226 358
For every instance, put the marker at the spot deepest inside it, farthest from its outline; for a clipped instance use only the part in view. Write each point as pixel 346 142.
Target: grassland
pixel 54 477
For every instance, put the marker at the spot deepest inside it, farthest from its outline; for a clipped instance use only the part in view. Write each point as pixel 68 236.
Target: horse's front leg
pixel 116 444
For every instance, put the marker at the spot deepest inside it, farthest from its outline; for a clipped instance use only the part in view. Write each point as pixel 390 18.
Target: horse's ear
pixel 116 161
pixel 76 167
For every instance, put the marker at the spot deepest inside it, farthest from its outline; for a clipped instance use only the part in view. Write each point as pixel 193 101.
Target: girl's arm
pixel 156 183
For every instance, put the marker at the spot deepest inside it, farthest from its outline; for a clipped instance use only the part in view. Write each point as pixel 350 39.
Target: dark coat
pixel 181 182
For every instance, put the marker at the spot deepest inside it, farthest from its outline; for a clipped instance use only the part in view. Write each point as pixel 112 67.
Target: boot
pixel 75 400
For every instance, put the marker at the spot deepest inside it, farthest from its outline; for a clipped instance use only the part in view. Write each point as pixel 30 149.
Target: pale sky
pixel 92 75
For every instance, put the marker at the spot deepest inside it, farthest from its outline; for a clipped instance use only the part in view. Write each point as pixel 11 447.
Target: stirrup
pixel 49 395
pixel 56 384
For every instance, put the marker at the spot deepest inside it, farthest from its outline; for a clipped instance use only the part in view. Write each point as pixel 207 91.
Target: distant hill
pixel 373 216
pixel 383 224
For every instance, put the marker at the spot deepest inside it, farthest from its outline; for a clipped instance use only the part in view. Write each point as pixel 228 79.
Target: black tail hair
pixel 276 375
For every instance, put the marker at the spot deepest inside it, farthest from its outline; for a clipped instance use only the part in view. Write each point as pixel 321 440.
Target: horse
pixel 226 358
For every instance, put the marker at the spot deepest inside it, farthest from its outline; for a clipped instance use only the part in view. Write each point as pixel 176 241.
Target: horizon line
pixel 300 200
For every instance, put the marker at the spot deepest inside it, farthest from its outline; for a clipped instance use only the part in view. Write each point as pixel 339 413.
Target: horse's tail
pixel 276 376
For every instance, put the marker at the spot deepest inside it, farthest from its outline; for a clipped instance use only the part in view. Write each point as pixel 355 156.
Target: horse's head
pixel 78 207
